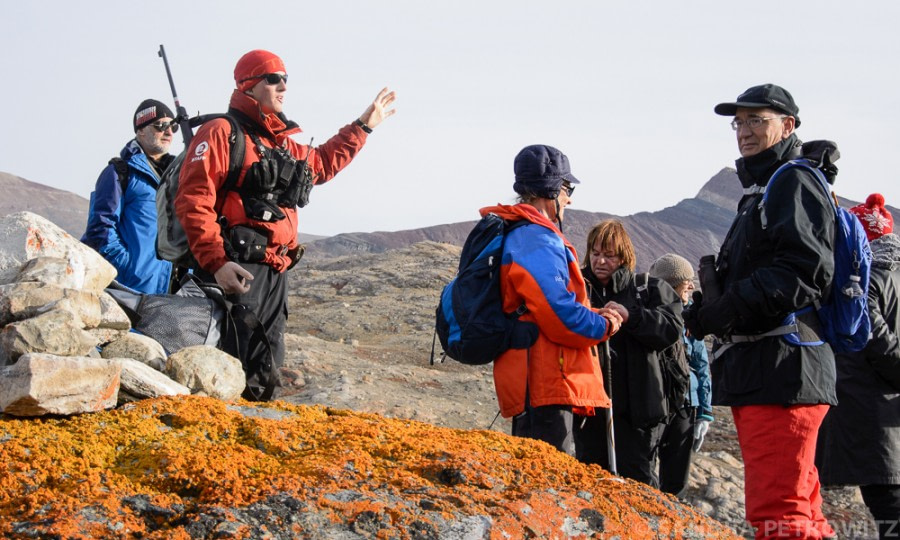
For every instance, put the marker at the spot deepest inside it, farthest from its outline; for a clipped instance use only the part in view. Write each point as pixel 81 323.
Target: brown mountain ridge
pixel 693 227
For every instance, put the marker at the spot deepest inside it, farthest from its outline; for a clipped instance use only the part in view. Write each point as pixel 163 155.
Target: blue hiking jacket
pixel 122 226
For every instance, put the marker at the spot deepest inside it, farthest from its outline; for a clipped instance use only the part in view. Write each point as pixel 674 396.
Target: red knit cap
pixel 254 64
pixel 875 218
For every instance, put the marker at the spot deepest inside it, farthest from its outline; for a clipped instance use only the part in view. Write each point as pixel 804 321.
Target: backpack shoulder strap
pixel 236 144
pixel 794 163
pixel 121 170
pixel 640 283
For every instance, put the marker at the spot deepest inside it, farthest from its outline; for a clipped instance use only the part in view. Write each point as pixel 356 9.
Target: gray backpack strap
pixel 640 283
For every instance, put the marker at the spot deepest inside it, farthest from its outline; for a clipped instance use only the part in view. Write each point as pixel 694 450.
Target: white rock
pixel 40 384
pixel 207 370
pixel 140 381
pixel 25 236
pixel 56 332
pixel 138 347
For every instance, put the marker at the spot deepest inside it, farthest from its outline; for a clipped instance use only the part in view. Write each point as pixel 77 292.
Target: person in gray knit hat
pixel 685 432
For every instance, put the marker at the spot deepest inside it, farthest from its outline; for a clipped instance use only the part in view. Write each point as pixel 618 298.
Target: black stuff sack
pixel 199 314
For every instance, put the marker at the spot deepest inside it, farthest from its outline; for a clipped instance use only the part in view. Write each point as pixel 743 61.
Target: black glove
pixel 689 314
pixel 718 316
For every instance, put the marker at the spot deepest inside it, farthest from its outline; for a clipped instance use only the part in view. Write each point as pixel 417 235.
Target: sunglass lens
pixel 275 78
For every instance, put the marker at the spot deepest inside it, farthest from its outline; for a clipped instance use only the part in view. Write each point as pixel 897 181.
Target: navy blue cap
pixel 541 170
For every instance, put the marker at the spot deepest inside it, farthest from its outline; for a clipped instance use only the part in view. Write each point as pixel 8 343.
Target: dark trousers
pixel 549 423
pixel 636 448
pixel 884 502
pixel 267 299
pixel 675 452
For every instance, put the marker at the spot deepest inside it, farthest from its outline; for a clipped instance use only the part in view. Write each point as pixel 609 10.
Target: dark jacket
pixel 859 441
pixel 654 323
pixel 122 225
pixel 769 273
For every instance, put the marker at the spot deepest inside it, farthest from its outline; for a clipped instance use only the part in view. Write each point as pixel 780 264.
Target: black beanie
pixel 150 111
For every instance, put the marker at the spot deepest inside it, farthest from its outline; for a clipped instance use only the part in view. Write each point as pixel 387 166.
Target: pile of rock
pixel 66 345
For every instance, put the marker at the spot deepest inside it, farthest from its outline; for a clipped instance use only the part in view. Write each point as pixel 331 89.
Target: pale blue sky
pixel 626 89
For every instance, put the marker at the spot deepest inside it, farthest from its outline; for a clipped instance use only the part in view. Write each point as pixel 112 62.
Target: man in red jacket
pixel 246 238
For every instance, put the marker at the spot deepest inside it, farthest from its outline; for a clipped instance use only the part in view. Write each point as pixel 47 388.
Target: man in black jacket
pixel 770 266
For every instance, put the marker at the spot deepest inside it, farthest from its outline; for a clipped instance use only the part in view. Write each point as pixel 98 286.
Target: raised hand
pixel 378 110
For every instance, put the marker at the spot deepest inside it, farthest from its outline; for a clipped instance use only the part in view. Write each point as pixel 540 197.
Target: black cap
pixel 540 170
pixel 769 96
pixel 150 111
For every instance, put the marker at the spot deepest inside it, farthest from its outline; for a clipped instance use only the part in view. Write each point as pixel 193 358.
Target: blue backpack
pixel 845 312
pixel 470 321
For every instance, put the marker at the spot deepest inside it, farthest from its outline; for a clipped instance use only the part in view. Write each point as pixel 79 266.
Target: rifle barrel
pixel 181 113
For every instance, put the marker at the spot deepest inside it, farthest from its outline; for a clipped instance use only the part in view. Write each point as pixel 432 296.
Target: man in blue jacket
pixel 122 215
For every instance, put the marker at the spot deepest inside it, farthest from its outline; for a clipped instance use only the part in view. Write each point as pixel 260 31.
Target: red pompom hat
pixel 875 218
pixel 254 64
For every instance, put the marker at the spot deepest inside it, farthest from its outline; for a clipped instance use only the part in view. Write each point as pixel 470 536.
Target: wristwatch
pixel 362 125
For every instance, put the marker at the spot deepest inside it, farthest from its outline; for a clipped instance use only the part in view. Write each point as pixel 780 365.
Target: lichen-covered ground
pixel 194 467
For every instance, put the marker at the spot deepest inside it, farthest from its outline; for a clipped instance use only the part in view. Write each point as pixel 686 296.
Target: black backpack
pixel 199 314
pixel 676 375
pixel 673 363
pixel 469 320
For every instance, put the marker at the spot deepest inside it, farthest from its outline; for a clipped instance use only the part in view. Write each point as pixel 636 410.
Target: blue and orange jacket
pixel 540 269
pixel 122 225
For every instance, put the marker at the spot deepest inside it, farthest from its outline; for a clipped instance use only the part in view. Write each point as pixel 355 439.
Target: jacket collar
pixel 618 281
pixel 756 170
pixel 272 126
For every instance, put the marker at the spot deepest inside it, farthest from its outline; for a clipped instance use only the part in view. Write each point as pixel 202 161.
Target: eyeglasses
pixel 753 122
pixel 271 78
pixel 568 188
pixel 162 126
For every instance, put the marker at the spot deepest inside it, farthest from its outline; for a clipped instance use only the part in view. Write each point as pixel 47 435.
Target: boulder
pixel 111 314
pixel 28 299
pixel 138 347
pixel 25 236
pixel 49 270
pixel 40 384
pixel 140 381
pixel 105 336
pixel 207 371
pixel 56 332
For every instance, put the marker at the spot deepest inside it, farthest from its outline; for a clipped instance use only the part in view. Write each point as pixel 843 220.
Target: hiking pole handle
pixel 181 115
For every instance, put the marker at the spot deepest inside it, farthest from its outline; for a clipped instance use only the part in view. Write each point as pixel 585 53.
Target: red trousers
pixel 781 482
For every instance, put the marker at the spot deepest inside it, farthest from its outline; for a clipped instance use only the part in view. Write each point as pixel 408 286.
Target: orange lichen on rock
pixel 194 467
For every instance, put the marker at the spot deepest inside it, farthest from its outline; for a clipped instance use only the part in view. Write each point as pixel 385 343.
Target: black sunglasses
pixel 271 78
pixel 162 126
pixel 568 188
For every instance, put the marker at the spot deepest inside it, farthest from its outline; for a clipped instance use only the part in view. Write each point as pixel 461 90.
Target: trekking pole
pixel 610 433
pixel 181 115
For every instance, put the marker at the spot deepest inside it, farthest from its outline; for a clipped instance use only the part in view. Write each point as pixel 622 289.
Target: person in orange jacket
pixel 543 387
pixel 246 238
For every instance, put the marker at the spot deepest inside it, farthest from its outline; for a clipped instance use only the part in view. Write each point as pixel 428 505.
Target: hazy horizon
pixel 625 90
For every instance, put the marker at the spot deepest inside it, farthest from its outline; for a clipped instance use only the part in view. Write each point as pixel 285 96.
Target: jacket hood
pixel 275 126
pixel 519 212
pixel 886 251
pixel 138 160
pixel 756 170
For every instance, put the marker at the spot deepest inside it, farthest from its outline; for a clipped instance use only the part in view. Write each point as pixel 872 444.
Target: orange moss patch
pixel 186 455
